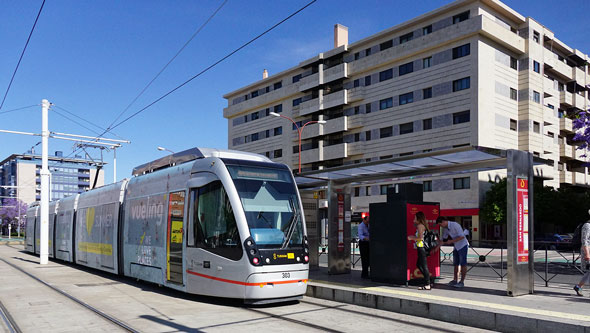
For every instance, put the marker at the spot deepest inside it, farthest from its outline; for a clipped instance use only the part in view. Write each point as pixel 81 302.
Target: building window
pixel 385 103
pixel 254 93
pixel 427 186
pixel 536 37
pixel 278 85
pixel 461 84
pixel 406 68
pixel 368 80
pixel 513 125
pixel 551 106
pixel 383 189
pixel 406 154
pixel 406 98
pixel 513 94
pixel 357 191
pixel 255 116
pixel 536 67
pixel 367 190
pixel 278 153
pixel 357 56
pixel 278 108
pixel 368 108
pixel 356 83
pixel 357 137
pixel 367 52
pixel 357 109
pixel 461 117
pixel 278 130
pixel 461 183
pixel 296 101
pixel 386 75
pixel 536 127
pixel 386 45
pixel 427 124
pixel 461 51
pixel 368 136
pixel 426 62
pixel 254 136
pixel 536 97
pixel 427 93
pixel 513 63
pixel 406 38
pixel 427 30
pixel 406 128
pixel 385 132
pixel 460 17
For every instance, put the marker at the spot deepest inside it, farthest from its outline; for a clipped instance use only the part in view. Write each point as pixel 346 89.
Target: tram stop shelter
pixel 520 174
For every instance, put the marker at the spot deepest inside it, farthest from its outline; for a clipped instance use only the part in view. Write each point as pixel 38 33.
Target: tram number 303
pixel 286 275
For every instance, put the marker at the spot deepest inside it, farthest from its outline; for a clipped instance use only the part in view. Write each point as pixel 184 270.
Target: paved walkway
pixel 481 303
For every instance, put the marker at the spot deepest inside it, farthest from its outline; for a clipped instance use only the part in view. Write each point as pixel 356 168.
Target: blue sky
pixel 92 58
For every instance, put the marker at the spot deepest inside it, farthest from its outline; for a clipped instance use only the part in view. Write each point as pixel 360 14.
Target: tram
pixel 203 221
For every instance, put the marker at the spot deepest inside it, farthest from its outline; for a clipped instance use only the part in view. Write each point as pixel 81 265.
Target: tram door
pixel 175 237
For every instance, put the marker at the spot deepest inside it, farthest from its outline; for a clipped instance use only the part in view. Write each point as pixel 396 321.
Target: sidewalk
pixel 481 303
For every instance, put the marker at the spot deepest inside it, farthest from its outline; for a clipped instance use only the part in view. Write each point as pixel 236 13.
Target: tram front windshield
pixel 270 202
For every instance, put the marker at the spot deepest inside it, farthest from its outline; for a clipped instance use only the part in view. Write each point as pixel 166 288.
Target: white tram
pixel 203 221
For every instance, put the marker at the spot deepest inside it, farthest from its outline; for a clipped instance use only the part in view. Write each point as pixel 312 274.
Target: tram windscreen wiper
pixel 261 216
pixel 291 225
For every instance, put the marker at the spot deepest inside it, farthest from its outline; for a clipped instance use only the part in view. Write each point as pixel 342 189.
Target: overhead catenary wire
pixel 22 54
pixel 82 119
pixel 169 62
pixel 18 109
pixel 213 65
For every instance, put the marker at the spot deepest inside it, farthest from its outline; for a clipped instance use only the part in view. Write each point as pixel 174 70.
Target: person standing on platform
pixel 454 231
pixel 363 233
pixel 421 263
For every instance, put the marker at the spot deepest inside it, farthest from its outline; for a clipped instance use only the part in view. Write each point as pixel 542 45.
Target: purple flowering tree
pixel 581 125
pixel 10 210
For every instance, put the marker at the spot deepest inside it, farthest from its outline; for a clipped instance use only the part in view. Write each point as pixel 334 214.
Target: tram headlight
pixel 306 250
pixel 306 258
pixel 252 251
pixel 249 243
pixel 267 260
pixel 255 261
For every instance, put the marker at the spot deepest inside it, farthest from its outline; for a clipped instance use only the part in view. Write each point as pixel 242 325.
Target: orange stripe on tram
pixel 244 283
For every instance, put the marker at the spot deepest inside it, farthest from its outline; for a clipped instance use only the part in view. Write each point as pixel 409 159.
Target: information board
pixel 522 199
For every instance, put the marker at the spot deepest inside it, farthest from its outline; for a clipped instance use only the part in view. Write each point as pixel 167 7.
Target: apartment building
pixel 471 73
pixel 20 174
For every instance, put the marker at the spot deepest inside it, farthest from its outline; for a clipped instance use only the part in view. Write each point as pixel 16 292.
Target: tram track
pixel 5 315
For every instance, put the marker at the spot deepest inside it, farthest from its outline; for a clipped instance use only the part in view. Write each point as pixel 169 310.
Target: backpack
pixel 430 240
pixel 577 238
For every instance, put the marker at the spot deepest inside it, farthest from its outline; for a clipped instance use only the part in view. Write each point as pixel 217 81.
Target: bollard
pixel 9 230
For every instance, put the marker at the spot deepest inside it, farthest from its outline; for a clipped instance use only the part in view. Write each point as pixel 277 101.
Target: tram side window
pixel 214 225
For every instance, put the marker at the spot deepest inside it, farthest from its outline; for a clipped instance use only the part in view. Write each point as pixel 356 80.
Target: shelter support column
pixel 339 216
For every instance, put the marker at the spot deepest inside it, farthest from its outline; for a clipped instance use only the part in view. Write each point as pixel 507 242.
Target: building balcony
pixel 566 151
pixel 356 94
pixel 579 101
pixel 548 143
pixel 336 151
pixel 565 177
pixel 253 103
pixel 549 87
pixel 312 155
pixel 310 106
pixel 335 99
pixel 331 126
pixel 335 73
pixel 579 152
pixel 311 81
pixel 566 125
pixel 579 76
pixel 579 178
pixel 551 61
pixel 566 98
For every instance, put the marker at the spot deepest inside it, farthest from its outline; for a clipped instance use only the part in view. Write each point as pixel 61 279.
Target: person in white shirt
pixel 363 233
pixel 456 237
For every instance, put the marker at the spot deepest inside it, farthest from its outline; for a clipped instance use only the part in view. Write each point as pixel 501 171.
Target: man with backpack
pixel 461 245
pixel 583 233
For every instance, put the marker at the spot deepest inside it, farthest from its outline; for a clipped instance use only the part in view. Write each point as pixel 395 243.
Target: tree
pixel 581 124
pixel 10 211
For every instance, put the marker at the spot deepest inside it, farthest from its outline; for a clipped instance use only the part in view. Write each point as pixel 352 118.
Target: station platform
pixel 482 303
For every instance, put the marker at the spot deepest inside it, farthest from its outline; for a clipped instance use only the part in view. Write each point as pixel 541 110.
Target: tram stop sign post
pixel 520 226
pixel 339 216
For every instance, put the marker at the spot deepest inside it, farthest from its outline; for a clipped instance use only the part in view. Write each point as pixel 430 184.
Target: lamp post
pixel 299 130
pixel 165 149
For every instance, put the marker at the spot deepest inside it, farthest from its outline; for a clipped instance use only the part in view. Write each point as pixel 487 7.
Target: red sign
pixel 431 212
pixel 522 220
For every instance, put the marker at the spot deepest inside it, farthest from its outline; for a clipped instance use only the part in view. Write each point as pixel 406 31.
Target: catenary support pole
pixel 44 237
pixel 114 165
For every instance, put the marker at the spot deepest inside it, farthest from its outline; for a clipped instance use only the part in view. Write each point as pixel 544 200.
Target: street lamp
pixel 165 149
pixel 299 130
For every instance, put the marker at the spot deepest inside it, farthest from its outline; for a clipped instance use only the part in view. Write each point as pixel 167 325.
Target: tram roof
pixel 437 163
